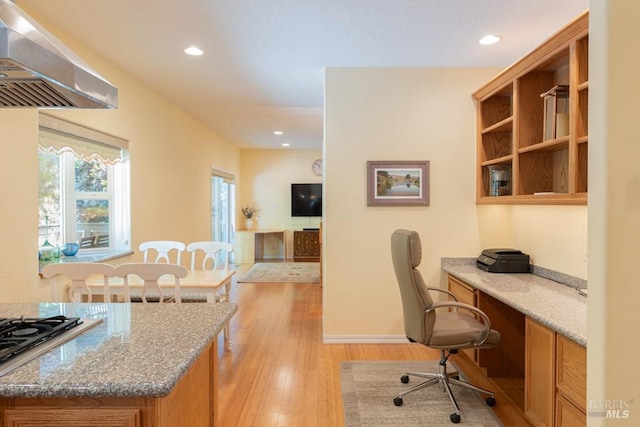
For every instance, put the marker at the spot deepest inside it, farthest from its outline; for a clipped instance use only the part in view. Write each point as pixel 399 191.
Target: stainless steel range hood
pixel 37 70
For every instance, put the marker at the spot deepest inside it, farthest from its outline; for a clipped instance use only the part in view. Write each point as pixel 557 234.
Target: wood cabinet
pixel 193 402
pixel 555 378
pixel 571 383
pixel 518 162
pixel 553 367
pixel 306 245
pixel 539 377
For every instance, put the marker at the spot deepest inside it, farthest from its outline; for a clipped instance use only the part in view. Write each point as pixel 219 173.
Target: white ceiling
pixel 264 60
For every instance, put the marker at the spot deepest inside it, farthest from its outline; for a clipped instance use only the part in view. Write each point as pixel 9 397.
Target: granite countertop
pixel 138 350
pixel 557 306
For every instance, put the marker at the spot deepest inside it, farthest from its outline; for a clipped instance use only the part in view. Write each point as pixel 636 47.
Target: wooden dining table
pixel 215 285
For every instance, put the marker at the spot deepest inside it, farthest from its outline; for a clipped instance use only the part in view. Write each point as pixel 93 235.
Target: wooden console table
pixel 250 245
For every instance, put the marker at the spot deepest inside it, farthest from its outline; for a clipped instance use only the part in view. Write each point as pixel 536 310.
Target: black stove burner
pixel 20 335
pixel 25 332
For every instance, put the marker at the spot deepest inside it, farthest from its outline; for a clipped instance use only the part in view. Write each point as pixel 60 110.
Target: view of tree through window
pixel 83 188
pixel 91 177
pixel 82 210
pixel 49 192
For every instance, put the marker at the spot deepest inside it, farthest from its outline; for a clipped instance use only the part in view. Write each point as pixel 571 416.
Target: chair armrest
pixel 451 294
pixel 485 319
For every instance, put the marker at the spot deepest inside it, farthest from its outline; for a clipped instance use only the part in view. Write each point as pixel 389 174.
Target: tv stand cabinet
pixel 306 245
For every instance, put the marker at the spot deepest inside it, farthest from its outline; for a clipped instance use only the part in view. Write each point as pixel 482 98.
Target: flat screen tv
pixel 306 199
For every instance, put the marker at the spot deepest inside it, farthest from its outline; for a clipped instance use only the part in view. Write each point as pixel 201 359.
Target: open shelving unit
pixel 510 125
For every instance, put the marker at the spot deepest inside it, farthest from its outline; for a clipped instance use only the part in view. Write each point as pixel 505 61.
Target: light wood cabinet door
pixel 571 371
pixel 539 380
pixel 568 415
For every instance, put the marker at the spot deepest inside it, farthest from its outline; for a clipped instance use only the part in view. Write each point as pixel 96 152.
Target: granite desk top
pixel 138 350
pixel 557 306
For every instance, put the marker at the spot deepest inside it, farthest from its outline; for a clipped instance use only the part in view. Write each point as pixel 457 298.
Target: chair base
pixel 445 379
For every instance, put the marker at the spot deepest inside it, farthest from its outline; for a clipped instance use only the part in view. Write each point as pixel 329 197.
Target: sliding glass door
pixel 222 206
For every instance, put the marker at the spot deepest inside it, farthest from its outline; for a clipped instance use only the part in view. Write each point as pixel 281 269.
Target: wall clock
pixel 317 167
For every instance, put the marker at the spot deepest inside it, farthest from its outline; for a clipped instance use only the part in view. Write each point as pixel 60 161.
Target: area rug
pixel 274 272
pixel 368 389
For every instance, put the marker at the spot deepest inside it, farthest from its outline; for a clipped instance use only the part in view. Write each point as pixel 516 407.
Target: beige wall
pixel 399 114
pixel 171 158
pixel 614 209
pixel 266 180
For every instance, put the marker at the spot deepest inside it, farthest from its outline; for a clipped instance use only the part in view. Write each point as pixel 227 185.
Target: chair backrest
pixel 212 251
pixel 162 247
pixel 88 242
pixel 406 253
pixel 78 272
pixel 150 273
pixel 102 241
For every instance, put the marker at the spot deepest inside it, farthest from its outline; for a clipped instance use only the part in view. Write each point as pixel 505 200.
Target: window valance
pixel 57 136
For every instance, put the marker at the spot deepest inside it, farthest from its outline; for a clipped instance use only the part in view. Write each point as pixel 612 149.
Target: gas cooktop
pixel 23 339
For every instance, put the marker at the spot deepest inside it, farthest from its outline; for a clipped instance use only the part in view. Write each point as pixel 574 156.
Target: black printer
pixel 503 260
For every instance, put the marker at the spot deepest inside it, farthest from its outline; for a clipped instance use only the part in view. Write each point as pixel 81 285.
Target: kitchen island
pixel 142 365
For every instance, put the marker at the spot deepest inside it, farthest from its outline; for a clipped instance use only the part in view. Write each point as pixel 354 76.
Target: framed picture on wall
pixel 398 183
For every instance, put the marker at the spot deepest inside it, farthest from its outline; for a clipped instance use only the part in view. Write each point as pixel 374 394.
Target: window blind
pixel 227 177
pixel 58 135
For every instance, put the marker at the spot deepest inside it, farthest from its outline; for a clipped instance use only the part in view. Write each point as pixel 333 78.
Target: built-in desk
pixel 543 325
pixel 558 307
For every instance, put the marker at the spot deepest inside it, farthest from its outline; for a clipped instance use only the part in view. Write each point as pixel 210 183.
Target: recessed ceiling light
pixel 490 39
pixel 194 51
pixel 285 144
pixel 278 132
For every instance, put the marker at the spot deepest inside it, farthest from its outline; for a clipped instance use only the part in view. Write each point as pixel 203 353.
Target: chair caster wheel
pixel 397 401
pixel 404 379
pixel 491 401
pixel 455 418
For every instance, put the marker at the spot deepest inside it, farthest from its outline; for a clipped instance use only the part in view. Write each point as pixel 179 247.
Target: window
pixel 83 187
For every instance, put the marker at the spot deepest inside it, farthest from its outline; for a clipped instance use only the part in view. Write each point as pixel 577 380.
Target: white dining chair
pixel 78 273
pixel 150 273
pixel 213 251
pixel 163 249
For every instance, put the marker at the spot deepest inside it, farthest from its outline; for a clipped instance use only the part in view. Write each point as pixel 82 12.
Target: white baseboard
pixel 364 339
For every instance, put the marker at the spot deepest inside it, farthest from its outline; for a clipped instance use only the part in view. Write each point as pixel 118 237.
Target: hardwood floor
pixel 279 373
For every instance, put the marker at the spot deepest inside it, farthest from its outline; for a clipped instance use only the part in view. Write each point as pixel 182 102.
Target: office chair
pixel 433 324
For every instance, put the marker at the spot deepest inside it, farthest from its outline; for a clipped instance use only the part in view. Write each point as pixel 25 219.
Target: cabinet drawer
pixel 571 371
pixel 464 292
